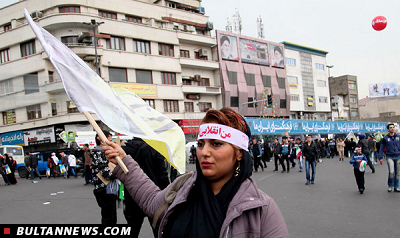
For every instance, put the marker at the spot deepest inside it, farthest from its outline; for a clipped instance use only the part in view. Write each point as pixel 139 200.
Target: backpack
pixel 285 149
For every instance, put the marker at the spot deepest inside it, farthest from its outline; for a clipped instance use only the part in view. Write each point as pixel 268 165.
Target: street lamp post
pixel 329 70
pixel 95 25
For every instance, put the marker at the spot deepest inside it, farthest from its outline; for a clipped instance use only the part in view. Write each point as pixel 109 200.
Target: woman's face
pixel 217 159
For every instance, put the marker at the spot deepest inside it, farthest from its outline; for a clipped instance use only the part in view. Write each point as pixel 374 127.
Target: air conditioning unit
pixel 190 28
pixel 85 38
pixel 197 77
pixel 181 27
pixel 36 14
pixel 209 25
pixel 202 52
pixel 176 26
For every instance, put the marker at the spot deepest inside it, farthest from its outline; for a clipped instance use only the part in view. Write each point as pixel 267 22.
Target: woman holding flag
pixel 219 199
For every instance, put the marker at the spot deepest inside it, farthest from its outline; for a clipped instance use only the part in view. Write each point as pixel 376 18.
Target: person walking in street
pixel 310 154
pixel 153 165
pixel 266 155
pixel 64 162
pixel 3 172
pixel 33 165
pixel 11 164
pixel 106 201
pixel 340 148
pixel 363 143
pixel 292 155
pixel 55 165
pixel 359 161
pixel 26 162
pixel 276 151
pixel 72 165
pixel 391 142
pixel 286 150
pixel 299 153
pixel 256 153
pixel 332 147
pixel 352 146
pixel 219 199
pixel 87 164
pixel 51 166
pixel 192 159
pixel 371 148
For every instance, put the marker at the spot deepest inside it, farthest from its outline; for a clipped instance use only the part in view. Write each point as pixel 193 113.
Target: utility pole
pixel 95 25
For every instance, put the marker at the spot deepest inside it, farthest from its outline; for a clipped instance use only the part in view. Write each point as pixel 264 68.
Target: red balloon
pixel 379 23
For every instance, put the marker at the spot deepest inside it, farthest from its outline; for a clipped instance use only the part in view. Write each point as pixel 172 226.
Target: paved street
pixel 332 207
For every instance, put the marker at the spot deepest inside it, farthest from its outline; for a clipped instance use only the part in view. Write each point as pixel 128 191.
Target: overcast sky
pixel 341 27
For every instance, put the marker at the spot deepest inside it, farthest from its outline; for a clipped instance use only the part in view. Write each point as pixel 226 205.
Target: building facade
pixel 161 50
pixel 308 82
pixel 251 70
pixel 382 109
pixel 344 97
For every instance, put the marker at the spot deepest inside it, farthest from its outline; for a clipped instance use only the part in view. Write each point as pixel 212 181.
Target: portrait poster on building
pixel 253 52
pixel 228 47
pixel 277 56
pixel 383 90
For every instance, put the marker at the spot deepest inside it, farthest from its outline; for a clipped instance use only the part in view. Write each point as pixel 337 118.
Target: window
pixel 54 109
pixel 266 80
pixel 28 48
pixel 133 19
pixel 7 27
pixel 294 98
pixel 281 82
pixel 69 9
pixel 282 103
pixel 9 117
pixel 144 76
pixel 189 107
pixel 141 46
pixel 292 79
pixel 6 86
pixel 290 61
pixel 171 106
pixel 34 112
pixel 71 107
pixel 185 54
pixel 69 40
pixel 323 99
pixel 116 43
pixel 167 50
pixel 321 83
pixel 204 82
pixel 250 79
pixel 354 113
pixel 320 66
pixel 186 82
pixel 250 99
pixel 51 76
pixel 117 75
pixel 353 99
pixel 310 101
pixel 31 83
pixel 352 85
pixel 234 101
pixel 150 102
pixel 168 78
pixel 110 15
pixel 5 55
pixel 197 56
pixel 205 106
pixel 232 77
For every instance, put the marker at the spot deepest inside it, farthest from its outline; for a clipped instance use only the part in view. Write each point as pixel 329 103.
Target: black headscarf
pixel 203 213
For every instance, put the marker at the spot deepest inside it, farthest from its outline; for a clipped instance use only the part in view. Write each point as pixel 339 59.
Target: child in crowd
pixel 359 162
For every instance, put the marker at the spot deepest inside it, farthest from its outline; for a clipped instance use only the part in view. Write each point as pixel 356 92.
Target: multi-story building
pixel 252 70
pixel 344 97
pixel 307 77
pixel 159 49
pixel 381 109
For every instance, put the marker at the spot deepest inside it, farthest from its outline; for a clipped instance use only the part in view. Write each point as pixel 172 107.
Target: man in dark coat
pixel 363 143
pixel 153 164
pixel 33 164
pixel 310 154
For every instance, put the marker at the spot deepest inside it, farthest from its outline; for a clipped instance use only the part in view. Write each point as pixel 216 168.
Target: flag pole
pixel 104 138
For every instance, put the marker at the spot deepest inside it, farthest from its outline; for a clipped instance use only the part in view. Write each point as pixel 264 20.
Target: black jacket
pixel 277 148
pixel 363 143
pixel 33 161
pixel 149 160
pixel 310 151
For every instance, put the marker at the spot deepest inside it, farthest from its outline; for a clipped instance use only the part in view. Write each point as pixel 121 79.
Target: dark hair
pixel 283 138
pixel 106 133
pixel 388 125
pixel 87 145
pixel 224 38
pixel 278 48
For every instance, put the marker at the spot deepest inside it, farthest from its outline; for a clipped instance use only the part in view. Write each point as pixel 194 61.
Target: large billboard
pixel 277 59
pixel 383 90
pixel 253 52
pixel 228 47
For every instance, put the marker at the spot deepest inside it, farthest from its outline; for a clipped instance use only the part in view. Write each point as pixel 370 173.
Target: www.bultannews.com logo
pixel 53 230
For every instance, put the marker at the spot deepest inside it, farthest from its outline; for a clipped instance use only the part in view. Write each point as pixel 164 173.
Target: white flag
pixel 127 114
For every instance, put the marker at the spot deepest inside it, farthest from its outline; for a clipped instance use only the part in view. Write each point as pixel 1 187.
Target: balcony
pixel 201 89
pixel 197 39
pixel 54 87
pixel 199 64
